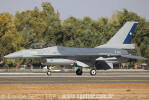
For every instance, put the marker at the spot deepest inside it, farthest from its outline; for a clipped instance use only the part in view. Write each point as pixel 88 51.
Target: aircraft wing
pixel 134 57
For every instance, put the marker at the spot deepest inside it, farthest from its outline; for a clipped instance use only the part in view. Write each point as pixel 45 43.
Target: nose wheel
pixel 48 72
pixel 93 72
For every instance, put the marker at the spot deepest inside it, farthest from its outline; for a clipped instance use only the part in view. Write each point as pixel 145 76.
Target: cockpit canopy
pixel 40 45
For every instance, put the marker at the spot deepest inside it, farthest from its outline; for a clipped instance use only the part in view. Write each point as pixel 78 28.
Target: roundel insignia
pixel 52 51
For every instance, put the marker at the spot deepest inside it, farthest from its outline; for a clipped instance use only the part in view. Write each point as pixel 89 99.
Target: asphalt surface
pixel 71 78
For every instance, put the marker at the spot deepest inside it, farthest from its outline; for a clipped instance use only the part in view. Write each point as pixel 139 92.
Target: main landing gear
pixel 93 71
pixel 79 71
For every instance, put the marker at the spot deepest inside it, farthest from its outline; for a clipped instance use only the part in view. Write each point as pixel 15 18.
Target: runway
pixel 71 78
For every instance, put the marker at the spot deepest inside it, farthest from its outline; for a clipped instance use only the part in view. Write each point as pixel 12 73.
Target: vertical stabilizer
pixel 122 38
pixel 124 35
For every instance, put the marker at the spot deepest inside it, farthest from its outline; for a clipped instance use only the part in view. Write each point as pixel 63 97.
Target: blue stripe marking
pixel 130 34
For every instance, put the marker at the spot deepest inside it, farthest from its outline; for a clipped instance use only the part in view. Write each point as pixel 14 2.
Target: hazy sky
pixel 80 8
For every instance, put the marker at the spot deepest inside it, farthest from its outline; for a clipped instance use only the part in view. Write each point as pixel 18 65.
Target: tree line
pixel 19 31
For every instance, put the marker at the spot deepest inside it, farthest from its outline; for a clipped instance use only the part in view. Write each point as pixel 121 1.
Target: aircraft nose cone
pixel 8 56
pixel 11 55
pixel 17 54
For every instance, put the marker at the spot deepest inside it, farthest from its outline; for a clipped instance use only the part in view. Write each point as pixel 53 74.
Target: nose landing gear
pixel 49 71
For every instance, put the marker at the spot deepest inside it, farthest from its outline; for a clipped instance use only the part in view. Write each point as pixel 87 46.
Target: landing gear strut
pixel 48 72
pixel 79 71
pixel 93 72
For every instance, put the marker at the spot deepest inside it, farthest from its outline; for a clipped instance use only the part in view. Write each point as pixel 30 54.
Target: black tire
pixel 93 72
pixel 79 72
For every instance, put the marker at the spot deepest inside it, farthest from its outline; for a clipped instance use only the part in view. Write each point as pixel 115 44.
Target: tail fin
pixel 123 37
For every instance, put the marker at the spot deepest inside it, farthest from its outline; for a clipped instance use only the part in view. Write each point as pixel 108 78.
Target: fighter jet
pixel 116 49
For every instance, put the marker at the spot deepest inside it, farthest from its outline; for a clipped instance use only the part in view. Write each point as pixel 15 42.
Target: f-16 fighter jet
pixel 115 50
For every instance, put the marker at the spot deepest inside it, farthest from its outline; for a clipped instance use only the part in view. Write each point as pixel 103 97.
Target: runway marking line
pixel 70 76
pixel 74 73
pixel 81 80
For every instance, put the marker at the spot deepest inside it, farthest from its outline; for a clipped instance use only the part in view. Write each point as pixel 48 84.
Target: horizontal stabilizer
pixel 134 57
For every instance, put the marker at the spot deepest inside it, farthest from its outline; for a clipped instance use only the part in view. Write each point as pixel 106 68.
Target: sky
pixel 80 8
